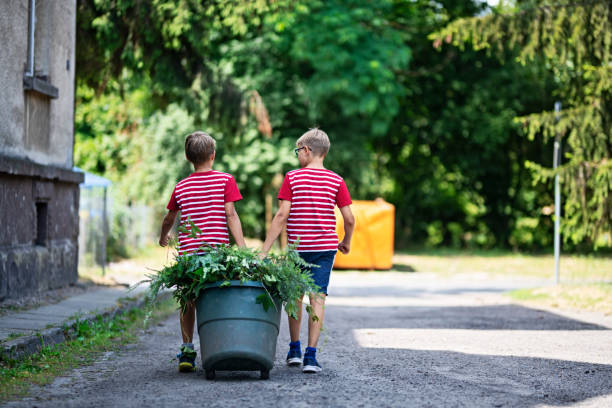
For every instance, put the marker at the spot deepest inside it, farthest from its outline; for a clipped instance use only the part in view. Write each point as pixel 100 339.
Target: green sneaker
pixel 187 358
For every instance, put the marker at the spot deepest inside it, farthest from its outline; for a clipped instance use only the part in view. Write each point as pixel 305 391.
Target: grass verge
pixel 88 341
pixel 586 280
pixel 573 268
pixel 591 297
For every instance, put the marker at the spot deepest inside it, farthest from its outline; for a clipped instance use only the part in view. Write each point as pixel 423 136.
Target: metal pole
pixel 104 234
pixel 31 27
pixel 556 163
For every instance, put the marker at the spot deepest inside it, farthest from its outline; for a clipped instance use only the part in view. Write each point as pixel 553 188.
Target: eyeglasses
pixel 296 151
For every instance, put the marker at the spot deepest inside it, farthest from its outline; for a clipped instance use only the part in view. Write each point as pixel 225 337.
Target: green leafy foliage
pixel 437 132
pixel 575 41
pixel 283 275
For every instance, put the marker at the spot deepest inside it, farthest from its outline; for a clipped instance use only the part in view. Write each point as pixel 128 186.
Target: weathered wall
pixel 37 251
pixel 61 70
pixel 12 63
pixel 35 127
pixel 39 192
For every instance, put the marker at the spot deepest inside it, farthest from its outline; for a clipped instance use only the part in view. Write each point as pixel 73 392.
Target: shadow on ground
pixel 394 268
pixel 490 317
pixel 416 292
pixel 428 376
pixel 445 378
pixel 402 268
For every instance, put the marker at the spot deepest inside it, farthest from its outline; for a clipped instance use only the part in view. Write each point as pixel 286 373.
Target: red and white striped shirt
pixel 202 197
pixel 313 194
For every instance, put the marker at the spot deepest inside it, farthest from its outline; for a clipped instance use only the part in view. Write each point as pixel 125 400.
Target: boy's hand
pixel 163 241
pixel 262 255
pixel 166 227
pixel 344 247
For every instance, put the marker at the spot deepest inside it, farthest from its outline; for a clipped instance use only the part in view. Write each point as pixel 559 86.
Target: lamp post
pixel 556 162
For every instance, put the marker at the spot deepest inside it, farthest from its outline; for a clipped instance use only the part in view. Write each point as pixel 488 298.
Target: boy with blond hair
pixel 206 198
pixel 307 199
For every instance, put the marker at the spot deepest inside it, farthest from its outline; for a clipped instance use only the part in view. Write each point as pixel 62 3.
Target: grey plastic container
pixel 236 334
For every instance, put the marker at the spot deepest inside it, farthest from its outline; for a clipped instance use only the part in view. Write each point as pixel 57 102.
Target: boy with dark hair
pixel 306 206
pixel 206 198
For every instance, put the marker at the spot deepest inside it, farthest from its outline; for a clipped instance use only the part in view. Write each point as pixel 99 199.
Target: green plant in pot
pixel 281 274
pixel 238 299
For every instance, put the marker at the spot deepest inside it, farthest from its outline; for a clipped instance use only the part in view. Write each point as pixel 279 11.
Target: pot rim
pixel 234 283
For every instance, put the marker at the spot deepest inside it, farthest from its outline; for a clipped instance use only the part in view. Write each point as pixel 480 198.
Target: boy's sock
pixel 310 361
pixel 294 356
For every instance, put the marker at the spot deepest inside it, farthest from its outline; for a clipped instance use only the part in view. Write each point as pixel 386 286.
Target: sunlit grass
pixel 591 297
pixel 586 280
pixel 573 268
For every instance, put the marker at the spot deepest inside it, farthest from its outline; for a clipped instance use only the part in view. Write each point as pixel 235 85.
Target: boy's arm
pixel 233 222
pixel 278 222
pixel 349 226
pixel 166 227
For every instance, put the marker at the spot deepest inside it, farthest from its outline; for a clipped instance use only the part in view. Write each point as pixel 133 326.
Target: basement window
pixel 41 223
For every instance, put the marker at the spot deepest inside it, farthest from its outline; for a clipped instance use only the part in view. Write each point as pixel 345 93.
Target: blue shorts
pixel 324 261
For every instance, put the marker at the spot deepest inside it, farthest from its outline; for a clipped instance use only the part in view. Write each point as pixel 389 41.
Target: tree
pixel 151 72
pixel 575 40
pixel 430 131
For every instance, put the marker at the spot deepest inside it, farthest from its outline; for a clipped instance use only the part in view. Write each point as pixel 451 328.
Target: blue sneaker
pixel 187 359
pixel 294 357
pixel 311 365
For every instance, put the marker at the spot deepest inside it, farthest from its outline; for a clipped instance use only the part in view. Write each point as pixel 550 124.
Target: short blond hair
pixel 316 140
pixel 199 147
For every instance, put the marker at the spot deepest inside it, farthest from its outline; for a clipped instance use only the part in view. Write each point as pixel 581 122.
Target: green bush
pixel 456 234
pixel 529 233
pixel 435 234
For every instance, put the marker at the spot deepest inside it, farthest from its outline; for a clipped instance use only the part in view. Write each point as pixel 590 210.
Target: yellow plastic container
pixel 372 243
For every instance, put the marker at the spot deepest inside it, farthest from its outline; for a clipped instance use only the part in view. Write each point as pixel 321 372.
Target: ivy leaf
pixel 270 278
pixel 265 301
pixel 311 313
pixel 194 227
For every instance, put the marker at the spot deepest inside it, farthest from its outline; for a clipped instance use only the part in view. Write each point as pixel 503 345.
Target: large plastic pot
pixel 235 332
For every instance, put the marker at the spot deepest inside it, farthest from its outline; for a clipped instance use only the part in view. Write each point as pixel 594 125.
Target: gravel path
pixel 391 339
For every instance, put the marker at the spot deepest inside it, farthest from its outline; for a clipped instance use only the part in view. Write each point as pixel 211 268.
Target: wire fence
pixel 109 230
pixel 93 226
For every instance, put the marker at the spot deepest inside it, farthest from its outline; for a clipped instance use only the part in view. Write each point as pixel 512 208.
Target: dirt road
pixel 391 340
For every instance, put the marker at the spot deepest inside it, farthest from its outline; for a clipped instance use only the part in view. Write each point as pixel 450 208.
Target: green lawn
pixel 586 280
pixel 596 297
pixel 573 268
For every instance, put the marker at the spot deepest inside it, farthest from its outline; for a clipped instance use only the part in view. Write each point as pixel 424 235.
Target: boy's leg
pixel 317 301
pixel 188 322
pixel 294 324
pixel 294 356
pixel 320 273
pixel 188 354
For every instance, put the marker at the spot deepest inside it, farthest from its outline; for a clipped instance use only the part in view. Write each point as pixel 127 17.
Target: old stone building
pixel 39 196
